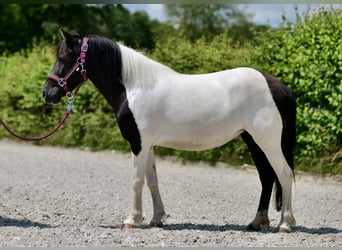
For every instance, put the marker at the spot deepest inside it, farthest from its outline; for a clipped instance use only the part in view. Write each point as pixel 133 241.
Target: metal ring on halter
pixel 84 47
pixel 69 95
pixel 62 82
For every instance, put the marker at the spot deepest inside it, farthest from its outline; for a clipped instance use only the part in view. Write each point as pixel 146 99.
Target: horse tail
pixel 286 104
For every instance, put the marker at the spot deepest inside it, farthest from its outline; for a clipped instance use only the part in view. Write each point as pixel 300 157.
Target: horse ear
pixel 65 35
pixel 71 40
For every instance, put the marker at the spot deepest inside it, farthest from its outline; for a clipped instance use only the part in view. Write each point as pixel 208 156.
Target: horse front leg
pixel 152 183
pixel 135 219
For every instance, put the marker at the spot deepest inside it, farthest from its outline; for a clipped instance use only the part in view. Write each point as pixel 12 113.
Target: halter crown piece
pixel 79 65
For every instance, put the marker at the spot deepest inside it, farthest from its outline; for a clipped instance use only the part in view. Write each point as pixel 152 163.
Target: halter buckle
pixel 69 95
pixel 61 82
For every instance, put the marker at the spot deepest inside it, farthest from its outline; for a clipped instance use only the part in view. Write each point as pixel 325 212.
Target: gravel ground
pixel 52 196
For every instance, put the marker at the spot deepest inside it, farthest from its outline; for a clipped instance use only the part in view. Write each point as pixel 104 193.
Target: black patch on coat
pixel 104 67
pixel 286 104
pixel 128 126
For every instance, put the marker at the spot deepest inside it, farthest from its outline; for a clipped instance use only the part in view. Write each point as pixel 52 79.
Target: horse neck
pixel 114 68
pixel 139 71
pixel 104 68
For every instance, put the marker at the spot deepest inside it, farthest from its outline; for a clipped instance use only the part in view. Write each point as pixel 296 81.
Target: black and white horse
pixel 154 105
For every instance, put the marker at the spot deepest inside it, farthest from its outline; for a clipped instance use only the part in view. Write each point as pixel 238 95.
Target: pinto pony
pixel 156 106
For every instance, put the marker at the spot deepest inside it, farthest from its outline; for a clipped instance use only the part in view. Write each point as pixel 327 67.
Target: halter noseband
pixel 79 65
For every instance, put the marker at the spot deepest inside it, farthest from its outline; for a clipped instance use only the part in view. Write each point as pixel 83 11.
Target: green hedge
pixel 22 76
pixel 204 56
pixel 305 56
pixel 91 124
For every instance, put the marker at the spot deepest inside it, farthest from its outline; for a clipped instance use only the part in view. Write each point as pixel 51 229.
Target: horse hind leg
pixel 152 183
pixel 267 177
pixel 275 158
pixel 284 174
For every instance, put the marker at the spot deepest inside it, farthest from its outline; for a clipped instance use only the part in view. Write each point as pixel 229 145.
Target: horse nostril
pixel 44 93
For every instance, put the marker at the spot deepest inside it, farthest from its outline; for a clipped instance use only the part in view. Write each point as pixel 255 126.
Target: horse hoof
pixel 128 226
pixel 252 228
pixel 158 224
pixel 283 230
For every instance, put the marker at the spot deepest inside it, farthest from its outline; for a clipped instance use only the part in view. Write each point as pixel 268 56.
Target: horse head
pixel 64 76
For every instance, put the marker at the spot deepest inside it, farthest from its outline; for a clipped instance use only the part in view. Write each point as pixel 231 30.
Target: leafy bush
pixel 202 56
pixel 22 76
pixel 307 56
pixel 90 125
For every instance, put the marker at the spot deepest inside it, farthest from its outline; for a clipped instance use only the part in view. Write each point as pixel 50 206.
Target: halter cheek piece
pixel 79 65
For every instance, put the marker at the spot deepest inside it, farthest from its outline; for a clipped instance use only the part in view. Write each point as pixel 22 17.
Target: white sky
pixel 262 13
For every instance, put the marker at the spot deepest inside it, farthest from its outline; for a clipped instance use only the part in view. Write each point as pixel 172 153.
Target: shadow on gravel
pixel 243 228
pixel 8 222
pixel 111 226
pixel 232 227
pixel 205 227
pixel 190 226
pixel 320 230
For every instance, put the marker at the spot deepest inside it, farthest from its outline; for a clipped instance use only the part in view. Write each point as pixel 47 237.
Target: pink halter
pixel 62 81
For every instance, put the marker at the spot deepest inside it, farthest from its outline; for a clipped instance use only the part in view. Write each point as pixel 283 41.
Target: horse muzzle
pixel 52 95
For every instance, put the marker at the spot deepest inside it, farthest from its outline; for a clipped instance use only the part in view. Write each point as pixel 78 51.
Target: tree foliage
pixel 209 20
pixel 32 24
pixel 199 19
pixel 203 55
pixel 307 55
pixel 91 123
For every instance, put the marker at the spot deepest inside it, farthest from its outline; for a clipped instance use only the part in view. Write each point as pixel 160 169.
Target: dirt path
pixel 67 197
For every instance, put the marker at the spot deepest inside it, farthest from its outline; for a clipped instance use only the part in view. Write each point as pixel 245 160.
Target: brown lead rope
pixel 47 135
pixel 66 115
pixel 62 82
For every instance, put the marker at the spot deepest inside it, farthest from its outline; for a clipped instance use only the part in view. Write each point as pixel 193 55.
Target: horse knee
pixel 152 186
pixel 152 179
pixel 137 185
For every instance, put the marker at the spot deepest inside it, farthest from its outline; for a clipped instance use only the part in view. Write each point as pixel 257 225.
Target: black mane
pixel 105 56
